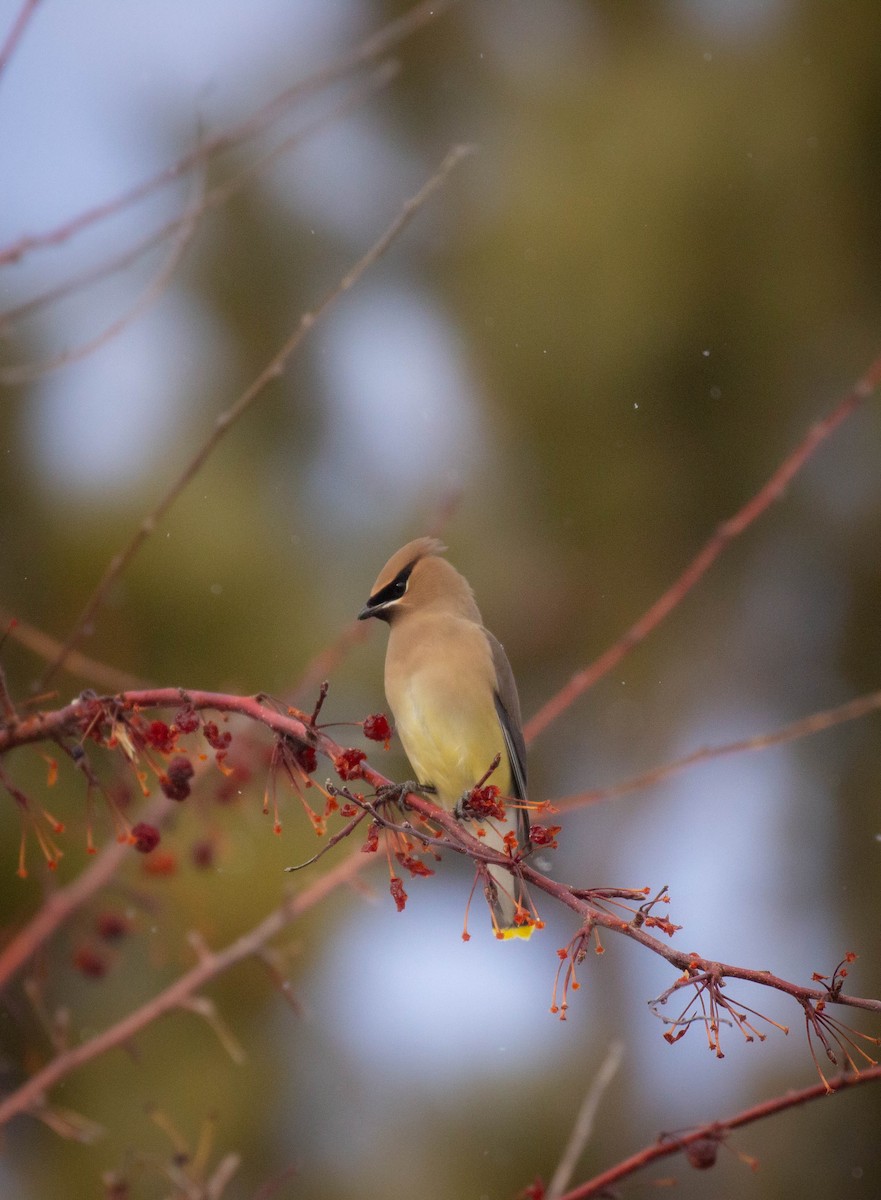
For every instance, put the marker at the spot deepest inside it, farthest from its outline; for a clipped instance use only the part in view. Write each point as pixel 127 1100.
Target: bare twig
pixel 715 1132
pixel 325 661
pixel 61 905
pixel 372 48
pixel 9 714
pixel 15 33
pixel 76 663
pixel 270 372
pixel 28 372
pixel 583 1127
pixel 30 1096
pixel 720 540
pixel 805 727
pixel 215 198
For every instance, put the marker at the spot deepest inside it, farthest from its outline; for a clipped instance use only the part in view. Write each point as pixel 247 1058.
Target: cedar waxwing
pixel 450 687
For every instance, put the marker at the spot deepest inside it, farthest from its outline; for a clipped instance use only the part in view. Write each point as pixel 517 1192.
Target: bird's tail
pixel 512 913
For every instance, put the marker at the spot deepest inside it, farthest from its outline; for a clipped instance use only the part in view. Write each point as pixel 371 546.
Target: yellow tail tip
pixel 516 931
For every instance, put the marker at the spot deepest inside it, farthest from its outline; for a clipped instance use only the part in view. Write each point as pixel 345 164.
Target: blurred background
pixel 660 268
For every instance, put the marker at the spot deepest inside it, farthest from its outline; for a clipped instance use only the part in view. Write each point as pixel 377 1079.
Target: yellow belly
pixel 449 740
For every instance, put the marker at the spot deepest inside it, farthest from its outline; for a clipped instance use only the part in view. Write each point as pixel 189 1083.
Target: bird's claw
pixel 462 811
pixel 396 793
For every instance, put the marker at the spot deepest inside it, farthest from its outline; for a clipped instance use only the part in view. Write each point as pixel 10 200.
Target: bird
pixel 454 701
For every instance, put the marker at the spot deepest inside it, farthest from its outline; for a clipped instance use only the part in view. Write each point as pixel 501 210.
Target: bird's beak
pixel 366 612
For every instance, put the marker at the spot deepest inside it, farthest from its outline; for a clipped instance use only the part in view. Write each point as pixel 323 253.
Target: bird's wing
pixel 508 709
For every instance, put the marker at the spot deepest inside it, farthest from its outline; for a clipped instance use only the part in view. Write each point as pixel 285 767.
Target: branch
pixel 76 663
pixel 31 1095
pixel 21 373
pixel 861 706
pixel 705 975
pixel 215 198
pixel 373 47
pixel 716 1132
pixel 583 1127
pixel 60 905
pixel 15 33
pixel 227 419
pixel 712 549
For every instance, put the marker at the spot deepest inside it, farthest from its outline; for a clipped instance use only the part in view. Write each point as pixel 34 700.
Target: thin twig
pixel 373 47
pixel 583 1127
pixel 59 906
pixel 75 663
pixel 15 33
pixel 715 1131
pixel 27 372
pixel 701 563
pixel 325 661
pixel 215 198
pixel 270 372
pixel 9 715
pixel 32 1093
pixel 815 723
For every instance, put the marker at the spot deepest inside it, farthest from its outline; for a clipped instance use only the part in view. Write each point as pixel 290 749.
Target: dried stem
pixel 828 718
pixel 73 718
pixel 712 549
pixel 270 372
pixel 583 1127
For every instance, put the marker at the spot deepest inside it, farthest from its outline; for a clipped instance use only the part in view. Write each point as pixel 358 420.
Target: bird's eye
pixel 392 591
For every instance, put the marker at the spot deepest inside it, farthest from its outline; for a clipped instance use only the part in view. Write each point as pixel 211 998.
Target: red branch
pixel 715 1132
pixel 81 713
pixel 697 568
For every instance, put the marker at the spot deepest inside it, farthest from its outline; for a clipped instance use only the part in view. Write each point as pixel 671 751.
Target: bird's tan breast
pixel 440 685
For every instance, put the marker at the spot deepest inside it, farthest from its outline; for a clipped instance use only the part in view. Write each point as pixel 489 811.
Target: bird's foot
pixel 465 808
pixel 396 793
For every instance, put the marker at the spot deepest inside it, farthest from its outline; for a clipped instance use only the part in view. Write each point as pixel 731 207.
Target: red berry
pixel 396 887
pixel 306 758
pixel 214 737
pixel 147 837
pixel 347 764
pixel 202 853
pixel 484 802
pixel 176 782
pixel 187 720
pixel 544 835
pixel 377 728
pixel 111 926
pixel 90 963
pixel 159 735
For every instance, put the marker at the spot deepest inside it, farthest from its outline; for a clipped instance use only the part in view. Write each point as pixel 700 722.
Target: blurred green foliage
pixel 660 269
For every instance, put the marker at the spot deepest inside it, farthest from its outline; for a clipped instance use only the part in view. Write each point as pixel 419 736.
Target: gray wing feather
pixel 508 709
